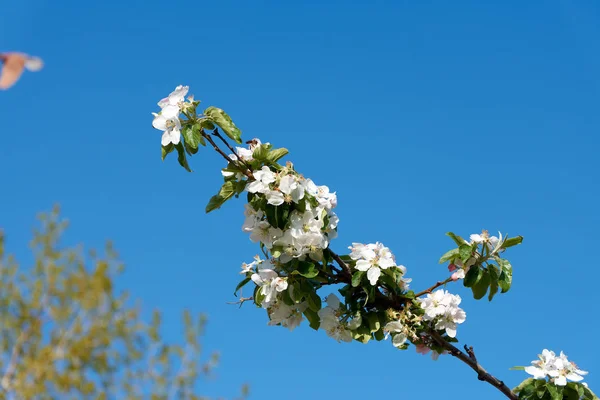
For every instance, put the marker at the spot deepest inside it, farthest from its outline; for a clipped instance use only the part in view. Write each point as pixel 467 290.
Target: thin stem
pixel 210 140
pixel 217 134
pixel 470 359
pixel 432 288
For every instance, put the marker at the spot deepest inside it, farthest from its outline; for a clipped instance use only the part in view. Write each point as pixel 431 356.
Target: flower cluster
pixel 330 320
pixel 311 222
pixel 441 307
pixel 372 258
pixel 167 119
pixel 557 368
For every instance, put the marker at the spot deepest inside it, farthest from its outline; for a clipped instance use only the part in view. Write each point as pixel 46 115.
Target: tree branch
pixel 247 172
pixel 431 289
pixel 470 359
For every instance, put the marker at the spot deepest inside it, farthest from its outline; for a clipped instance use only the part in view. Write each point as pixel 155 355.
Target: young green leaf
pixel 493 281
pixel 240 285
pixel 481 286
pixel 473 276
pixel 220 117
pixel 181 157
pixel 357 277
pixel 313 318
pixel 510 242
pixel 166 150
pixel 465 251
pixel 275 154
pixel 449 255
pixel 505 279
pixel 457 239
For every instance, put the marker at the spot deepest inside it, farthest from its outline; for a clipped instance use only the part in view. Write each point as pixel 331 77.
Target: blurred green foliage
pixel 66 334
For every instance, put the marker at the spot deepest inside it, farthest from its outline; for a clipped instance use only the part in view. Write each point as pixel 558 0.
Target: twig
pixel 222 153
pixel 470 359
pixel 241 301
pixel 217 134
pixel 341 263
pixel 431 289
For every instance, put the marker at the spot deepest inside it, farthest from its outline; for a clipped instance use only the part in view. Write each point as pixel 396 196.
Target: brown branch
pixel 222 153
pixel 470 359
pixel 341 263
pixel 217 134
pixel 431 289
pixel 241 301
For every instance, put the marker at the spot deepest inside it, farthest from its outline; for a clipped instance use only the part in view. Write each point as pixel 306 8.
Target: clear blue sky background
pixel 441 116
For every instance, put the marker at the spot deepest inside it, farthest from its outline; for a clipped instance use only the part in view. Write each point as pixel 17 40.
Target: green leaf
pixel 258 296
pixel 221 118
pixel 493 281
pixel 449 255
pixel 357 278
pixel 465 251
pixel 207 124
pixel 313 318
pixel 505 279
pixel 523 385
pixel 588 394
pixel 164 150
pixel 227 190
pixel 473 276
pixel 457 239
pixel 181 157
pixel 214 203
pixel 192 137
pixel 275 154
pixel 510 242
pixel 240 285
pixel 225 193
pixel 307 269
pixel 578 388
pixel 481 286
pixel 379 335
pixel 540 388
pixel 373 321
pixel 555 391
pixel 314 301
pixel 261 152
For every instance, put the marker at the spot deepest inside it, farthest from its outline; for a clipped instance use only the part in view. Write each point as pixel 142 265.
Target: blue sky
pixel 423 117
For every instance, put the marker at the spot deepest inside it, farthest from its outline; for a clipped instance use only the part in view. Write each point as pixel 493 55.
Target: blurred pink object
pixel 13 66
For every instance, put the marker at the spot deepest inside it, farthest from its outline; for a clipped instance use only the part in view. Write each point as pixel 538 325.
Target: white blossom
pixel 493 243
pixel 266 234
pixel 441 307
pixel 396 329
pixel 264 177
pixel 372 258
pixel 290 186
pixel 171 126
pixel 288 316
pixel 330 320
pixel 270 283
pixel 250 267
pixel 558 368
pixel 171 105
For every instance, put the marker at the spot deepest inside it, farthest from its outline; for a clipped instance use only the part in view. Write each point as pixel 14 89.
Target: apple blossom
pixel 269 282
pixel 171 127
pixel 288 316
pixel 330 320
pixel 290 186
pixel 557 368
pixel 441 307
pixel 171 105
pixel 264 177
pixel 372 258
pixel 396 329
